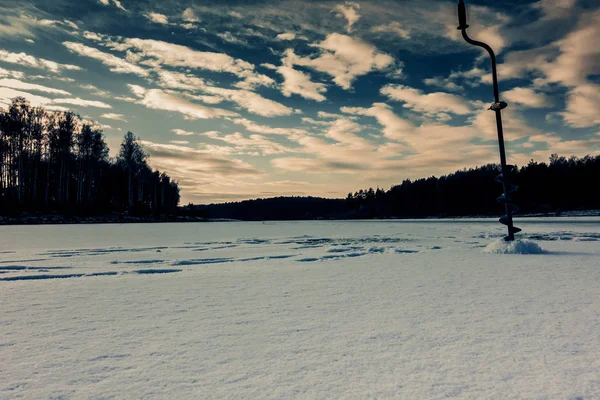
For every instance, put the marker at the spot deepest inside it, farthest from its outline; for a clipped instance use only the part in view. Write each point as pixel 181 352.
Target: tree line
pixel 54 161
pixel 561 184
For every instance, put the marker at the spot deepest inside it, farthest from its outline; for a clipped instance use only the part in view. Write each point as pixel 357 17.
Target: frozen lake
pixel 331 309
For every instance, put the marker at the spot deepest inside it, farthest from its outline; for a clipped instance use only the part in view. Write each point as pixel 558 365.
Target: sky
pixel 247 99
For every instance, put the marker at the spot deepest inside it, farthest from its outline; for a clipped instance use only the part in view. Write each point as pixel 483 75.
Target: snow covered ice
pixel 311 310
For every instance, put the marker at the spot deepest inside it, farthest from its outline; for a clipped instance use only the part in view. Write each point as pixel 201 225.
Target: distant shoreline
pixel 56 219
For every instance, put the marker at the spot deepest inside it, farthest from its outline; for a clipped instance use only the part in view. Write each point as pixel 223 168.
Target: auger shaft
pixel 497 107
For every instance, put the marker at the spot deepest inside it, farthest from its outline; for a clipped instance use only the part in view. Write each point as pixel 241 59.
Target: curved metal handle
pixel 462 16
pixel 462 26
pixel 492 57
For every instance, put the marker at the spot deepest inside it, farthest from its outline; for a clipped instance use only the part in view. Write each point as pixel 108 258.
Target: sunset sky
pixel 246 99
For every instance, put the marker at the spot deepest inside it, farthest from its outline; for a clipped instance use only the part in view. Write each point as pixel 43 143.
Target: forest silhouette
pixel 55 162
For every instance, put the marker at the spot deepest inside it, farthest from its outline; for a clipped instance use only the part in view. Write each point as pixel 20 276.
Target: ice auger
pixel 497 107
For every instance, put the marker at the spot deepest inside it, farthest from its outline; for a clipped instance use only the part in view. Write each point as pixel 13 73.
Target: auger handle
pixel 462 16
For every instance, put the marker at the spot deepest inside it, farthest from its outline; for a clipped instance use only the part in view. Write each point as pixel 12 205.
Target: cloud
pixel 188 26
pixel 137 90
pixel 582 106
pixel 230 38
pixel 577 147
pixel 157 53
pixel 264 129
pixel 251 101
pixel 473 78
pixel 515 127
pixel 568 61
pixel 30 61
pixel 345 132
pixel 579 55
pixel 424 148
pixel 443 83
pixel 286 36
pixel 316 122
pixel 324 114
pixel 12 74
pixel 71 24
pixel 116 64
pixel 545 138
pixel 157 18
pixel 113 116
pixel 251 145
pixel 181 132
pixel 315 166
pixel 342 149
pixel 188 15
pixel 93 36
pixel 436 162
pixel 349 11
pixel 198 170
pixel 204 98
pixel 177 80
pixel 116 3
pixel 554 9
pixel 527 97
pixel 95 90
pixel 17 25
pixel 8 94
pixel 344 58
pixel 393 27
pixel 17 21
pixel 16 84
pixel 297 82
pixel 82 103
pixel 157 99
pixel 427 103
pixel 394 127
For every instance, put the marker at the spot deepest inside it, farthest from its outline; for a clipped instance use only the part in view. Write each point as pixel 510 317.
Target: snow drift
pixel 515 247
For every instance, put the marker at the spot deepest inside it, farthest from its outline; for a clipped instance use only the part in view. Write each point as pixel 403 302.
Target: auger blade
pixel 499 178
pixel 511 236
pixel 512 188
pixel 501 198
pixel 503 220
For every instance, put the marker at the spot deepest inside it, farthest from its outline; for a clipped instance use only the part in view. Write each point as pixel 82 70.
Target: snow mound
pixel 515 247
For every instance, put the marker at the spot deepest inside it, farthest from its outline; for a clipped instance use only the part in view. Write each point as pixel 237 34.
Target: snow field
pixel 316 310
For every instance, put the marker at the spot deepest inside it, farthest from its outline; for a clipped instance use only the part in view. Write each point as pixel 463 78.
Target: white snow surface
pixel 300 310
pixel 517 246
